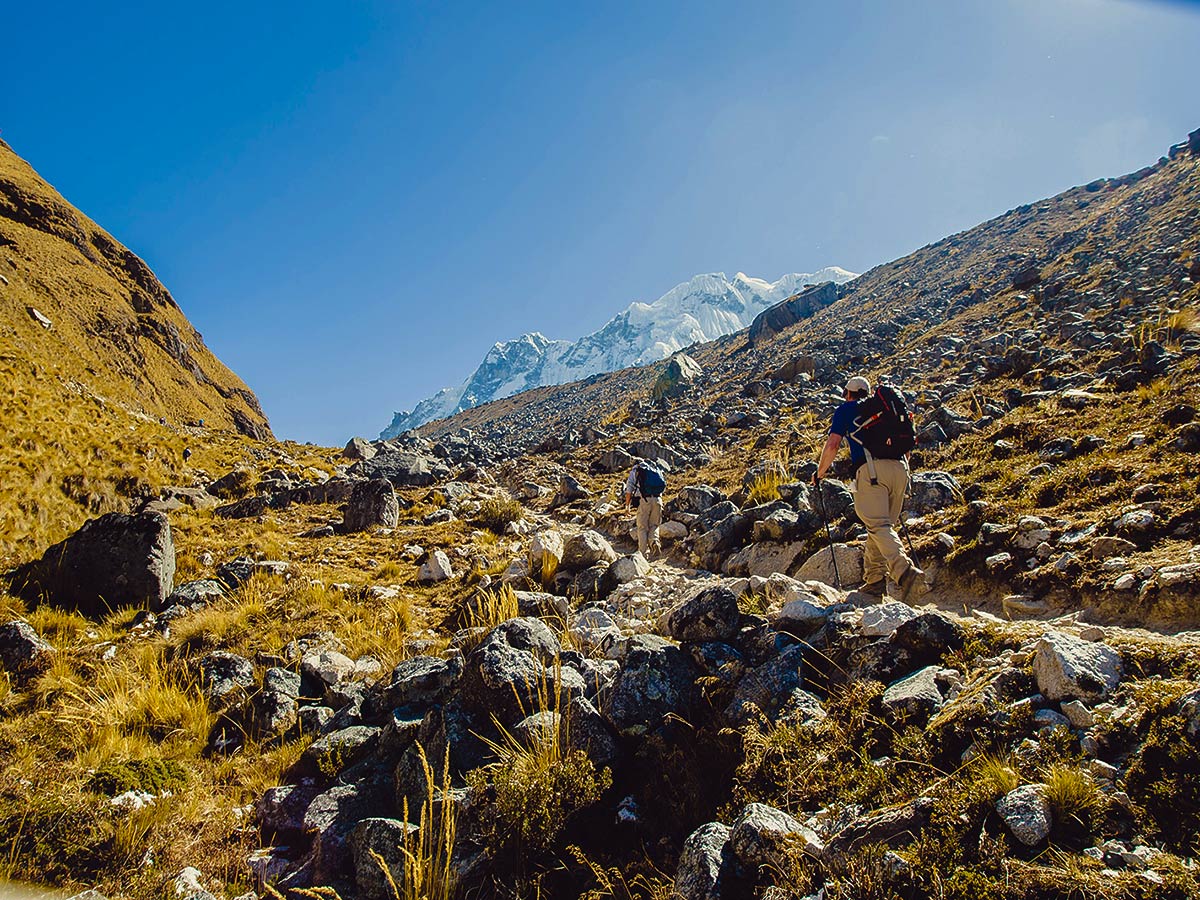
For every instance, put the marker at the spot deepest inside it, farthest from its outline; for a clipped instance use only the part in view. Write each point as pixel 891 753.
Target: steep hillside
pixel 94 353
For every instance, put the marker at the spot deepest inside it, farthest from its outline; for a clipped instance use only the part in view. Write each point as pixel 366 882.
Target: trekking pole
pixel 828 534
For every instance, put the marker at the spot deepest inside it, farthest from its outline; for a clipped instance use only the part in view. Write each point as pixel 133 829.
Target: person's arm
pixel 630 484
pixel 828 455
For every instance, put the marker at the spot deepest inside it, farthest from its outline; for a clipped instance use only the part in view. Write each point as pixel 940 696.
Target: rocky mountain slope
pixel 436 667
pixel 93 348
pixel 702 309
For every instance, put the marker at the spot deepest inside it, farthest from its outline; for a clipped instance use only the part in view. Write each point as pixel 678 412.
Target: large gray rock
pixel 931 491
pixel 1026 812
pixel 624 570
pixel 331 817
pixel 23 652
pixel 762 837
pixel 916 697
pixel 766 689
pixel 657 679
pixel 698 876
pixel 513 665
pixel 402 468
pixel 712 615
pixel 357 448
pixel 680 372
pixel 113 561
pixel 725 536
pixel 338 750
pixel 784 315
pixel 422 680
pixel 372 840
pixel 585 729
pixel 195 593
pixel 844 565
pixel 586 549
pixel 280 810
pixel 1069 668
pixel 224 677
pixel 372 503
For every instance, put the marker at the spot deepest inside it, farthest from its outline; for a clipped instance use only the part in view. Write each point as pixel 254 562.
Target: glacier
pixel 702 309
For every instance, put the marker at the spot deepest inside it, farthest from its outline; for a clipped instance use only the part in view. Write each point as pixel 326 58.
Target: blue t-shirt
pixel 843 424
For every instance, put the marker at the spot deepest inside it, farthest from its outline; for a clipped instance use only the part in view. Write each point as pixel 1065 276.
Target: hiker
pixel 646 484
pixel 879 487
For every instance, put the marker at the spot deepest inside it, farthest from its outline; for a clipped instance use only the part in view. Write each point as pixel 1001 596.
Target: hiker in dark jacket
pixel 649 511
pixel 878 500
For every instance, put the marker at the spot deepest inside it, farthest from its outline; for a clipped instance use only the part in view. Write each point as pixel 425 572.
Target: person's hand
pixel 816 479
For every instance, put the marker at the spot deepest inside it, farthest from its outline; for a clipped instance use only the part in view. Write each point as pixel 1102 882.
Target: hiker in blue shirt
pixel 649 508
pixel 878 500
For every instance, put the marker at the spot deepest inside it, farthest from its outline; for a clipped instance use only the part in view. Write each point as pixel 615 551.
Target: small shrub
pixel 497 513
pixel 1075 800
pixel 765 486
pixel 151 776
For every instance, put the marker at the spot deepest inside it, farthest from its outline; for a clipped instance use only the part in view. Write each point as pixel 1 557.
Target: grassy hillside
pixel 104 379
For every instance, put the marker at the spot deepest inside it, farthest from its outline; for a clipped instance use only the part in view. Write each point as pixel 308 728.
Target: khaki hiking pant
pixel 649 517
pixel 879 506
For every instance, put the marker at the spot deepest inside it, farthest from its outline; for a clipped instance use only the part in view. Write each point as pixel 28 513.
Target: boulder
pixel 588 548
pixel 585 729
pixel 403 468
pixel 357 448
pixel 510 668
pixel 224 676
pixel 195 593
pixel 334 752
pixel 435 569
pixel 698 875
pixel 680 372
pixel 569 490
pixel 113 561
pixel 657 679
pixel 784 315
pixel 884 619
pixel 763 836
pixel 374 840
pixel 820 566
pixel 766 689
pixel 916 697
pixel 1026 812
pixel 929 637
pixel 930 491
pixel 23 652
pixel 238 571
pixel 711 615
pixel 422 680
pixel 1069 668
pixel 371 503
pixel 545 553
pixel 623 570
pixel 331 817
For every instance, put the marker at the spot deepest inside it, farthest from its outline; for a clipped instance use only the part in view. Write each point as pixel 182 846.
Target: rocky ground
pixel 434 666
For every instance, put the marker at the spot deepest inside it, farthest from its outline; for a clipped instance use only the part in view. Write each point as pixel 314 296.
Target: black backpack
pixel 883 424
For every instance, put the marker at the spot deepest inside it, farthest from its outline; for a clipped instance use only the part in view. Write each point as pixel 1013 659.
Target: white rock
pixel 669 532
pixel 1079 715
pixel 1070 668
pixel 1126 582
pixel 435 569
pixel 820 566
pixel 998 560
pixel 883 620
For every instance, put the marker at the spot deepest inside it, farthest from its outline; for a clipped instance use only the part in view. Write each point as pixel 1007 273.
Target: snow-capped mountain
pixel 702 309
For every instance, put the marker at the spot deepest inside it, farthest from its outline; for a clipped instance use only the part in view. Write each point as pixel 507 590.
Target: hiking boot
pixel 874 588
pixel 907 585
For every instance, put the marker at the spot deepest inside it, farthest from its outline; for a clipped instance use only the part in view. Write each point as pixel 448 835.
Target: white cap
pixel 858 383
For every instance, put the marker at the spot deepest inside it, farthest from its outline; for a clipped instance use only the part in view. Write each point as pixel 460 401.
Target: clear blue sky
pixel 353 200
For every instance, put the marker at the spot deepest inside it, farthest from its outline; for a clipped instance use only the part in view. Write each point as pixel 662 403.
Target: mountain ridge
pixel 700 309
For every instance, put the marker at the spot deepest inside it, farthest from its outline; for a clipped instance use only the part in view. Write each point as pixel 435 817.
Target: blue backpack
pixel 651 482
